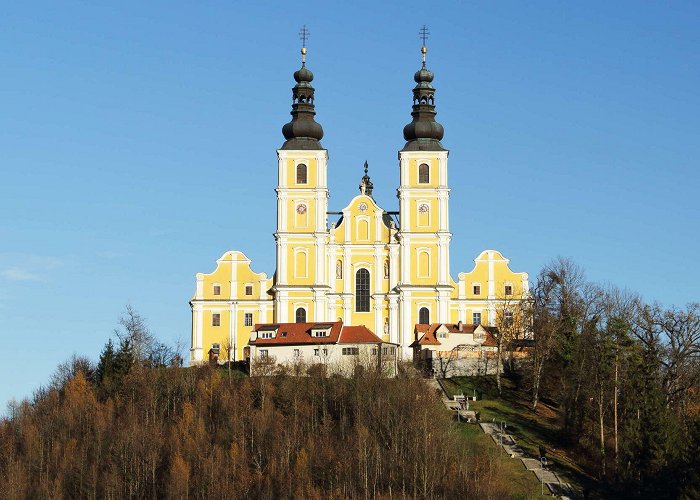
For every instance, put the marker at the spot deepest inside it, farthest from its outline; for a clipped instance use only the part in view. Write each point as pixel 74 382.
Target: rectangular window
pixel 297 353
pixel 265 335
pixel 477 289
pixel 508 318
pixel 325 352
pixel 217 289
pixel 216 319
pixel 263 353
pixel 351 351
pixel 374 351
pixel 249 289
pixel 509 290
pixel 476 318
pixel 315 352
pixel 248 319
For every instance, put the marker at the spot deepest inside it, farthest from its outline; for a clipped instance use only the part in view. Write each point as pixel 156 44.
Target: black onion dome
pixel 303 132
pixel 423 75
pixel 303 74
pixel 423 133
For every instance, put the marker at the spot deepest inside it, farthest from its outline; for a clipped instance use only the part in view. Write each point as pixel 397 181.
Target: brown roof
pixel 300 333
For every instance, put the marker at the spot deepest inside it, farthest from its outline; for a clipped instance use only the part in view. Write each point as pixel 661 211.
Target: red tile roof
pixel 300 333
pixel 297 333
pixel 358 335
pixel 425 334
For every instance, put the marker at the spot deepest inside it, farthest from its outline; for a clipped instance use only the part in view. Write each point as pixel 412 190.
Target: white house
pixel 335 346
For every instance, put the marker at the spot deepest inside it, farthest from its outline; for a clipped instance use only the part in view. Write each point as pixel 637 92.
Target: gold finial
pixel 303 36
pixel 424 36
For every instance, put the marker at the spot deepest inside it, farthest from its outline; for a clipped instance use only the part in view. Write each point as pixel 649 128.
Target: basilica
pixel 363 265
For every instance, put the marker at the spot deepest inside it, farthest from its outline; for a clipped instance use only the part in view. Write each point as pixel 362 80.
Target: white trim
pixel 305 251
pixel 419 251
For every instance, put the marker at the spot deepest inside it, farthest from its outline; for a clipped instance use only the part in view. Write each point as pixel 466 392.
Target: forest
pixel 622 373
pixel 132 426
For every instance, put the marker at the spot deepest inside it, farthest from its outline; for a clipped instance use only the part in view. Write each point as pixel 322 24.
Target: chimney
pixel 460 326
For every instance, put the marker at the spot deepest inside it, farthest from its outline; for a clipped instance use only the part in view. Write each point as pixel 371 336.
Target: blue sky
pixel 137 144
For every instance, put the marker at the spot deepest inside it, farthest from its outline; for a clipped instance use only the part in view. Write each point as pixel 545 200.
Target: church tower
pixel 302 204
pixel 424 285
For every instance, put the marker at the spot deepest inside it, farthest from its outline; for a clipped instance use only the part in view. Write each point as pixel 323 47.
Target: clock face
pixel 423 208
pixel 362 207
pixel 301 209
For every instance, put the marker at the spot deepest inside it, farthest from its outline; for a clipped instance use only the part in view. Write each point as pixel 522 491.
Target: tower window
pixel 248 319
pixel 477 289
pixel 508 290
pixel 476 318
pixel 301 174
pixel 300 315
pixel 424 316
pixel 423 173
pixel 216 319
pixel 362 290
pixel 217 289
pixel 508 318
pixel 249 289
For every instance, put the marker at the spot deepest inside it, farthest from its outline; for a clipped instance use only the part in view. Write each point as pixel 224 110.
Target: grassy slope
pixel 530 429
pixel 522 482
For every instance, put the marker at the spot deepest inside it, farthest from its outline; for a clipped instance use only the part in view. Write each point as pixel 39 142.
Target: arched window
pixel 301 315
pixel 424 316
pixel 423 173
pixel 362 290
pixel 301 174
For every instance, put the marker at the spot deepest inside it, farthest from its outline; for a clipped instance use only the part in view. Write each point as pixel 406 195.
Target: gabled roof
pixel 300 333
pixel 427 334
pixel 358 335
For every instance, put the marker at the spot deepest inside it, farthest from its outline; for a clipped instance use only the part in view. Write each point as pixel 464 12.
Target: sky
pixel 138 144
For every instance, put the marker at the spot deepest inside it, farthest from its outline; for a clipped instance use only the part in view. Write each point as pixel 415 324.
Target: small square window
pixel 263 353
pixel 248 318
pixel 509 290
pixel 216 319
pixel 249 289
pixel 217 289
pixel 477 289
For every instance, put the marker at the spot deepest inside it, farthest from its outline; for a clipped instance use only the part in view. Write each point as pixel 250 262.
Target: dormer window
pixel 320 333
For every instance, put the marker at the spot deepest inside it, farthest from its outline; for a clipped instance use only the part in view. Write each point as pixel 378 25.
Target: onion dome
pixel 302 132
pixel 423 133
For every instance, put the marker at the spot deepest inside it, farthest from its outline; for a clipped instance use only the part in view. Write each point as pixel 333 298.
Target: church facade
pixel 362 265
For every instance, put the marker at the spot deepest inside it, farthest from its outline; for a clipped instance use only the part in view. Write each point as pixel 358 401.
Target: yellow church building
pixel 362 265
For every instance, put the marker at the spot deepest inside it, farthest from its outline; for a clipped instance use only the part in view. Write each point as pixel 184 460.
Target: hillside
pixel 200 432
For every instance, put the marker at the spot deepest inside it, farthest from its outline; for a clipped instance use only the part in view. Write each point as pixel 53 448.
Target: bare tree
pixel 135 330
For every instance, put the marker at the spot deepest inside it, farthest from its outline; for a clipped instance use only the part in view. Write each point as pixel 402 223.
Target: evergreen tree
pixel 106 365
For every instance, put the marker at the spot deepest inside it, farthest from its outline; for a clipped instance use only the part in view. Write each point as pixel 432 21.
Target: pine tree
pixel 106 365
